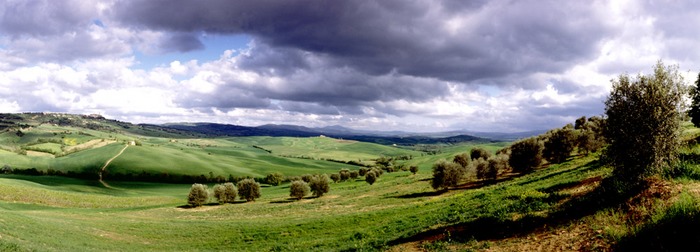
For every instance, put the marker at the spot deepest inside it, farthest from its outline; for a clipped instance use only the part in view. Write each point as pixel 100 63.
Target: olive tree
pixel 298 189
pixel 462 159
pixel 274 178
pixel 446 175
pixel 478 152
pixel 320 184
pixel 694 111
pixel 525 155
pixel 371 177
pixel 225 193
pixel 248 189
pixel 199 195
pixel 643 123
pixel 559 145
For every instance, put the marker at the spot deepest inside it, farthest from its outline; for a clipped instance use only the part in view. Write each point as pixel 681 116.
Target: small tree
pixel 320 184
pixel 363 171
pixel 559 145
pixel 643 123
pixel 306 178
pixel 497 164
pixel 335 177
pixel 482 168
pixel 249 189
pixel 354 174
pixel 462 159
pixel 344 174
pixel 225 193
pixel 371 177
pixel 446 175
pixel 274 178
pixel 478 152
pixel 199 195
pixel 694 111
pixel 414 169
pixel 298 189
pixel 525 155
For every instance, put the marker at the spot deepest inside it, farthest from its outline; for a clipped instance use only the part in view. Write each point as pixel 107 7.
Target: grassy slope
pixel 143 216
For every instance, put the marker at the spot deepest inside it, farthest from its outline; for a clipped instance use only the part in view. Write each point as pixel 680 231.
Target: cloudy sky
pixel 372 64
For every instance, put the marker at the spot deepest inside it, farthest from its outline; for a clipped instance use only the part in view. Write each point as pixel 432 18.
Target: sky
pixel 410 65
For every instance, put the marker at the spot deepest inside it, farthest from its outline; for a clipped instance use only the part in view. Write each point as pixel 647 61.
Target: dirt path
pixel 107 164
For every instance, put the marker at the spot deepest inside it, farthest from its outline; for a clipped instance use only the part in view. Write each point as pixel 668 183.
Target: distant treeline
pixel 143 176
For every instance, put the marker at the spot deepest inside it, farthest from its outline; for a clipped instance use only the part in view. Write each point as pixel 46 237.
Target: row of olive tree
pixel 246 189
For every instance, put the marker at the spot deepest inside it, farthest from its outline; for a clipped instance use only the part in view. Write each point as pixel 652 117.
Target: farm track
pixel 107 164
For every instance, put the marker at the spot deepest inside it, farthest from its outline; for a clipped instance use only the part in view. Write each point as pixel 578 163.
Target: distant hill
pixel 195 130
pixel 386 138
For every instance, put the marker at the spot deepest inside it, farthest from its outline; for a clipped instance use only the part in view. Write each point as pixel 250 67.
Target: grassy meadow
pixel 556 207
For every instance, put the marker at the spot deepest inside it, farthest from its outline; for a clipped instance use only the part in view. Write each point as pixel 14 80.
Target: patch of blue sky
pixel 214 47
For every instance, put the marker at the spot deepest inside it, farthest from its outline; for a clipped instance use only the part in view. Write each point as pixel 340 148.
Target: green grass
pixel 354 215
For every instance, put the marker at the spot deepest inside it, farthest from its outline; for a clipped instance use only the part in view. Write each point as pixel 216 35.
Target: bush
pixel 274 178
pixel 414 169
pixel 320 184
pixel 363 171
pixel 559 145
pixel 344 174
pixel 643 123
pixel 478 152
pixel 335 177
pixel 248 189
pixel 462 159
pixel 481 166
pixel 371 177
pixel 199 195
pixel 378 172
pixel 225 193
pixel 446 175
pixel 306 178
pixel 354 174
pixel 525 155
pixel 298 189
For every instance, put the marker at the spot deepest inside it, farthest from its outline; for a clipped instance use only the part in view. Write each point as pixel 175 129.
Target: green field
pixel 556 207
pixel 37 211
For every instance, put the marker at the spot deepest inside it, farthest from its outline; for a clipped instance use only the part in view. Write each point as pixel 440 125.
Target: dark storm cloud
pixel 377 37
pixel 43 17
pixel 181 42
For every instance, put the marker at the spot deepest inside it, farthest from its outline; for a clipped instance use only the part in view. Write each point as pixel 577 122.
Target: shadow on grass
pixel 210 204
pixel 493 227
pixel 419 195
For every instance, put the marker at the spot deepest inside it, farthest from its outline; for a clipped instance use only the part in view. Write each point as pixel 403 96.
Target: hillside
pixel 79 146
pixel 554 208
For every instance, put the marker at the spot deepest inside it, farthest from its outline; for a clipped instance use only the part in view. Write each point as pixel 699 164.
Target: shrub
pixel 363 171
pixel 414 169
pixel 643 123
pixel 462 159
pixel 446 175
pixel 335 177
pixel 306 178
pixel 298 189
pixel 377 171
pixel 344 174
pixel 354 174
pixel 481 166
pixel 248 189
pixel 274 178
pixel 199 195
pixel 225 193
pixel 497 164
pixel 371 177
pixel 478 152
pixel 559 145
pixel 526 155
pixel 320 184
